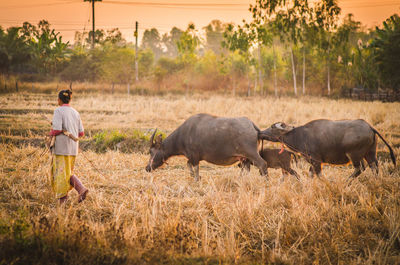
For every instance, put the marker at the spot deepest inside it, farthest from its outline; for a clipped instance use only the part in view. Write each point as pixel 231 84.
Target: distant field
pixel 135 217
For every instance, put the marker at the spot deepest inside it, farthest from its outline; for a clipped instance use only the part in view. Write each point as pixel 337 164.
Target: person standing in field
pixel 66 128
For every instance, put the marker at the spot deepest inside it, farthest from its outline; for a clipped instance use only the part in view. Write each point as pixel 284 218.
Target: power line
pixel 372 5
pixel 37 5
pixel 176 4
pixel 198 8
pixel 203 6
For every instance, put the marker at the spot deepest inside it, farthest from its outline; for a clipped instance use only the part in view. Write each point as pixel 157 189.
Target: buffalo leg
pixel 372 161
pixel 362 165
pixel 284 174
pixel 244 165
pixel 357 170
pixel 311 172
pixel 357 167
pixel 262 165
pixel 356 159
pixel 190 166
pixel 196 172
pixel 315 168
pixel 293 173
pixel 256 159
pixel 193 164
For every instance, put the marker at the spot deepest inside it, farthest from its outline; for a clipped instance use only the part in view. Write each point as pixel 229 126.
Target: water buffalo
pixel 333 142
pixel 275 158
pixel 217 140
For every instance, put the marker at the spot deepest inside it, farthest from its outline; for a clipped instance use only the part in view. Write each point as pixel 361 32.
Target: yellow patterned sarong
pixel 61 171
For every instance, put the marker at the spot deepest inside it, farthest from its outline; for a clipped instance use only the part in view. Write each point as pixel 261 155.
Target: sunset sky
pixel 68 16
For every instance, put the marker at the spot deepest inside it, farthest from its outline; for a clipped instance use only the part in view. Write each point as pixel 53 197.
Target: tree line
pixel 289 47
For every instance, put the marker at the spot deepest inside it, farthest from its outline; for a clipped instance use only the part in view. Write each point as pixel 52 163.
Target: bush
pixel 107 140
pixel 132 141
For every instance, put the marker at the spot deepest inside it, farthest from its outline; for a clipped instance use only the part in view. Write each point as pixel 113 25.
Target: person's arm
pixel 56 124
pixel 54 132
pixel 81 130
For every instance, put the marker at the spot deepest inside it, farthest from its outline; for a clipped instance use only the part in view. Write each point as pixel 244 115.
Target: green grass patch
pixel 129 141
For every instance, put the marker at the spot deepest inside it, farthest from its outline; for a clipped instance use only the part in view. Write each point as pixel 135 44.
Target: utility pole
pixel 136 53
pixel 93 31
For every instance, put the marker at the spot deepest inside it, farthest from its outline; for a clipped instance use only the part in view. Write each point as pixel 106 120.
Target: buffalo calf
pixel 275 159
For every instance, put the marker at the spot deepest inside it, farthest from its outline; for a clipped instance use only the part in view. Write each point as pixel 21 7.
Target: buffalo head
pixel 276 130
pixel 156 153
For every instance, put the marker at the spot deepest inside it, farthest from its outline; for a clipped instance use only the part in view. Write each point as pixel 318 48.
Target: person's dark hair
pixel 65 96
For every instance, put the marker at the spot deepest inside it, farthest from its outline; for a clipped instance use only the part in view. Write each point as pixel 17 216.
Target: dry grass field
pixel 165 217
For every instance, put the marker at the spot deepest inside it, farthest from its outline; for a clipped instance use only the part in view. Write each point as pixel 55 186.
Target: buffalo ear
pixel 283 126
pixel 158 140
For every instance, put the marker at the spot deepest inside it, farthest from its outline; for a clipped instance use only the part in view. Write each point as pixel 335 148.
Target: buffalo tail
pixel 390 148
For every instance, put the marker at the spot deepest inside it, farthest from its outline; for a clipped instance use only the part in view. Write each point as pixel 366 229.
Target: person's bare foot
pixel 82 196
pixel 62 200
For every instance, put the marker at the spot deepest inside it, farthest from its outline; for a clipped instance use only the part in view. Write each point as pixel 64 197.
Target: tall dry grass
pixel 134 217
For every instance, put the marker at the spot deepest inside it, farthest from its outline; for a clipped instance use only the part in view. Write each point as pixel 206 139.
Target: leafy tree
pixel 346 48
pixel 170 41
pixel 110 37
pixel 78 67
pixel 152 40
pixel 85 65
pixel 363 68
pixel 326 17
pixel 188 43
pixel 47 48
pixel 14 50
pixel 210 67
pixel 290 18
pixel 386 52
pixel 81 39
pixel 238 40
pixel 262 37
pixel 114 37
pixel 146 61
pixel 187 48
pixel 118 66
pixel 214 36
pixel 99 37
pixel 166 67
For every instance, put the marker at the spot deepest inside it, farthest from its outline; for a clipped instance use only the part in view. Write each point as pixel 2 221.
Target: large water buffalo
pixel 333 142
pixel 217 140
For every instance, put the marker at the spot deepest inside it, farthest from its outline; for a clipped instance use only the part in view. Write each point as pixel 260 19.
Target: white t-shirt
pixel 66 118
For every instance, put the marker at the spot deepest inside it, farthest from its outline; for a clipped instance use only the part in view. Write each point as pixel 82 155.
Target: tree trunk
pixel 255 86
pixel 294 72
pixel 328 68
pixel 328 76
pixel 16 85
pixel 260 77
pixel 304 70
pixel 112 88
pixel 329 79
pixel 70 86
pixel 129 88
pixel 275 81
pixel 233 86
pixel 248 85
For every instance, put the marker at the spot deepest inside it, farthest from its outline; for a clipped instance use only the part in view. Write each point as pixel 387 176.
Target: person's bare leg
pixel 77 184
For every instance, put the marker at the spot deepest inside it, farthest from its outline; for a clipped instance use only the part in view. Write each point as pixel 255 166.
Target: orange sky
pixel 67 16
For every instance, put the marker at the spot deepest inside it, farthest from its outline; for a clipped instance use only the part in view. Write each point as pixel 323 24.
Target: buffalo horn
pixel 152 137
